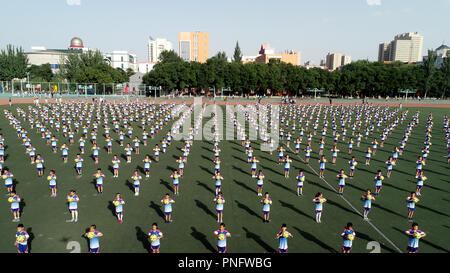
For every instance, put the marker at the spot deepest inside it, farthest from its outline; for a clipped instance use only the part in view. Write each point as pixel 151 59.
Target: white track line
pixel 357 211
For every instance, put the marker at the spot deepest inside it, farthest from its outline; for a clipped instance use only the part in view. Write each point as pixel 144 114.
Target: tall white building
pixel 122 59
pixel 406 47
pixel 155 47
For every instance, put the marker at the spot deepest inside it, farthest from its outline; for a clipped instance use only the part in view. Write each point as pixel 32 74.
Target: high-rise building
pixel 406 47
pixel 335 60
pixel 194 46
pixel 155 47
pixel 345 60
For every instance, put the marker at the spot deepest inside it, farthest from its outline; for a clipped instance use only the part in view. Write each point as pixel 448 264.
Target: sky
pixel 312 27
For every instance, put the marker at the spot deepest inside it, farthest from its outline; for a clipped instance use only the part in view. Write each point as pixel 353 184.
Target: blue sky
pixel 313 27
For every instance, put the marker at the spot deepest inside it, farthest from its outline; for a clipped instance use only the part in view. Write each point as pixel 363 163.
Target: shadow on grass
pixel 202 239
pixel 166 184
pixel 312 238
pixel 202 206
pixel 203 185
pixel 331 202
pixel 388 210
pixel 292 207
pixel 142 237
pixel 258 240
pixel 244 186
pixel 112 208
pixel 247 209
pixel 282 186
pixel 207 170
pixel 157 209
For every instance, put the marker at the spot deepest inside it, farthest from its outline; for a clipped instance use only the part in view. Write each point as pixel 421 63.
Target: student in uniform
pixel 136 177
pixel 219 200
pixel 176 181
pixel 99 180
pixel 93 235
pixel 21 239
pixel 118 204
pixel 348 235
pixel 52 183
pixel 378 182
pixel 154 236
pixel 411 201
pixel 414 235
pixel 14 199
pixel 79 164
pixel 222 234
pixel 282 237
pixel 73 200
pixel 367 198
pixel 319 200
pixel 300 181
pixel 260 182
pixel 267 202
pixel 341 177
pixel 167 202
pixel 147 162
pixel 115 161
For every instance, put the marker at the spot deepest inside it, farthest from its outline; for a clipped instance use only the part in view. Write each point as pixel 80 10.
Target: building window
pixel 121 66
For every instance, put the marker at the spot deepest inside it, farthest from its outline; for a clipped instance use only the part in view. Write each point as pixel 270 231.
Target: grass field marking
pixel 74 246
pixel 357 211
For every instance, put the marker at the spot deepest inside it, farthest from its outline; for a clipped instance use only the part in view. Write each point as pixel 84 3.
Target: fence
pixel 79 89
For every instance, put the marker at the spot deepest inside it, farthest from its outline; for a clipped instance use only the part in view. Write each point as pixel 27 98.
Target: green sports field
pixel 194 218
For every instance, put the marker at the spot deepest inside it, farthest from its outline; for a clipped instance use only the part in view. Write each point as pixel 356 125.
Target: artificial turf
pixel 194 219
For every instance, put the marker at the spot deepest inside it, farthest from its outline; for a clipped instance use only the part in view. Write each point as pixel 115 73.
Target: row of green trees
pixel 86 67
pixel 361 78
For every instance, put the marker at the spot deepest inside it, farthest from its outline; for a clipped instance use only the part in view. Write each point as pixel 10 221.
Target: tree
pixel 13 63
pixel 428 64
pixel 237 56
pixel 90 67
pixel 169 56
pixel 445 69
pixel 40 73
pixel 130 72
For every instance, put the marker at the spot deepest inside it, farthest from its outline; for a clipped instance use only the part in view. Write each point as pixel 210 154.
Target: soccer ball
pixel 285 234
pixel 322 200
pixel 116 203
pixel 266 201
pixel 49 178
pixel 350 237
pixel 153 237
pixel 221 237
pixel 369 197
pixel 97 175
pixel 70 199
pixel 21 238
pixel 91 235
pixel 417 235
pixel 166 201
pixel 302 179
pixel 11 199
pixel 4 176
pixel 220 201
pixel 415 200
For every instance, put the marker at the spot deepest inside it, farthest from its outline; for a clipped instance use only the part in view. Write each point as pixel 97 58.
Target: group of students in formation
pixel 71 118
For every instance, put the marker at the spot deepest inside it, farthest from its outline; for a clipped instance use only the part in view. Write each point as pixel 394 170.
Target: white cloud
pixel 373 2
pixel 73 2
